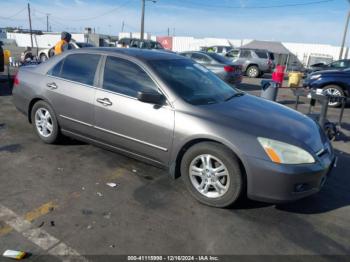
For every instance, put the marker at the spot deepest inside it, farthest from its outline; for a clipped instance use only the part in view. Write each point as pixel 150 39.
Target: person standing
pixel 2 59
pixel 63 44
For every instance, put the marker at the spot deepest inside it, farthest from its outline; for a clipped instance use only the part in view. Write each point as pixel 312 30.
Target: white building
pixel 46 40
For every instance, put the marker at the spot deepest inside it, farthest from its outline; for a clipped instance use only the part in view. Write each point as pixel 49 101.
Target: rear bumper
pixel 20 101
pixel 233 78
pixel 275 183
pixel 266 70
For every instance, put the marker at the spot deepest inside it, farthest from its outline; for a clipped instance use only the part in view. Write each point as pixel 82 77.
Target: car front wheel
pixel 43 58
pixel 212 174
pixel 334 91
pixel 45 122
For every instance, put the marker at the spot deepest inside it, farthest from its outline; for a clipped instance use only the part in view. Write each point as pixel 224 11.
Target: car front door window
pixel 245 54
pixel 124 77
pixel 233 54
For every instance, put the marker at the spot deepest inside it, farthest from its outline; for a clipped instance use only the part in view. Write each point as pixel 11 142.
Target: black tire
pixel 338 90
pixel 236 183
pixel 55 135
pixel 43 57
pixel 51 52
pixel 253 71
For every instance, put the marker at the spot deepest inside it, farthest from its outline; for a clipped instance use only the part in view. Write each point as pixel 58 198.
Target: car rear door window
pixel 200 58
pixel 125 77
pixel 80 68
pixel 261 54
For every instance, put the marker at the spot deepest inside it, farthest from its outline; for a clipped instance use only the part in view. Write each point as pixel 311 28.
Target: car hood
pixel 329 71
pixel 260 117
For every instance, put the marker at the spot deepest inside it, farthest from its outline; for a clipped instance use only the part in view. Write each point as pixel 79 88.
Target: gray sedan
pixel 169 111
pixel 224 68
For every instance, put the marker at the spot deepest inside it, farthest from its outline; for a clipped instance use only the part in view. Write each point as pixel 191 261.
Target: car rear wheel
pixel 45 122
pixel 253 71
pixel 212 174
pixel 334 90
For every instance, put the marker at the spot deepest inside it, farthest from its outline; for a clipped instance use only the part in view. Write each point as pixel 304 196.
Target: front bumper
pixel 276 183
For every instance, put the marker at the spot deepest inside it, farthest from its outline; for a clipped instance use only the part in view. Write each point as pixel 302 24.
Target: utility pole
pixel 143 3
pixel 123 26
pixel 47 22
pixel 168 31
pixel 30 25
pixel 344 35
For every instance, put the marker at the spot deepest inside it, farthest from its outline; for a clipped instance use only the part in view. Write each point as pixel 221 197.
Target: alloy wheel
pixel 253 72
pixel 43 122
pixel 209 176
pixel 332 92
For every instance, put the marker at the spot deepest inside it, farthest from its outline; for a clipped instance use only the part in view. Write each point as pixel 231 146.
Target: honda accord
pixel 169 111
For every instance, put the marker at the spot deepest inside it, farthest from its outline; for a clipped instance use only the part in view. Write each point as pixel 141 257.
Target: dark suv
pixel 255 62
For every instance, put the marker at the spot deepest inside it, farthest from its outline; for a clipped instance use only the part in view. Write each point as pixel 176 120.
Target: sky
pixel 305 21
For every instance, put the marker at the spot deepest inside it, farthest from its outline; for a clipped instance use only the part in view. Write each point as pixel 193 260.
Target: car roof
pixel 252 49
pixel 219 46
pixel 191 52
pixel 141 54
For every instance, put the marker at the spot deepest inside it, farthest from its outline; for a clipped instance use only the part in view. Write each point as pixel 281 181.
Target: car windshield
pixel 193 82
pixel 219 58
pixel 156 45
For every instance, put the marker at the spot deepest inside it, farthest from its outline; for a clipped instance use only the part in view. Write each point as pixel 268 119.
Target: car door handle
pixel 104 101
pixel 52 85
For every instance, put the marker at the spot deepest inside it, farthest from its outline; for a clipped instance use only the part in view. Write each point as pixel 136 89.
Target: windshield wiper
pixel 235 95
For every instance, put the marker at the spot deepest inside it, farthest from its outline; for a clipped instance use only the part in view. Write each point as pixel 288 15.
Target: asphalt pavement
pixel 54 200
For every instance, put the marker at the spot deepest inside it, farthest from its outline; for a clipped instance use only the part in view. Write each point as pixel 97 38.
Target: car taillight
pixel 229 69
pixel 16 80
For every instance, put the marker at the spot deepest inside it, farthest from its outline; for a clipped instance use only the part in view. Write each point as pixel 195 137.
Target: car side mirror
pixel 151 97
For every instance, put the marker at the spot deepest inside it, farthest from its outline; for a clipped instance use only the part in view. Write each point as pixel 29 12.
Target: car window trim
pixel 101 77
pixel 71 81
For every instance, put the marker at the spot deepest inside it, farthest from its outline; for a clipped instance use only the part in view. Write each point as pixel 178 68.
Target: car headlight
pixel 283 153
pixel 313 77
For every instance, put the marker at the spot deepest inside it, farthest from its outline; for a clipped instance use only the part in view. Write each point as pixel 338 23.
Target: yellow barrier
pixel 7 55
pixel 294 79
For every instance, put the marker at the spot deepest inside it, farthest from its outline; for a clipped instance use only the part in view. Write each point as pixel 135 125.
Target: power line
pixel 261 6
pixel 92 17
pixel 15 14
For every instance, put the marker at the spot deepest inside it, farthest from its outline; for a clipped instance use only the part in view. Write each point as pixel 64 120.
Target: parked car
pixel 219 49
pixel 138 43
pixel 45 54
pixel 255 62
pixel 169 111
pixel 338 65
pixel 333 82
pixel 221 66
